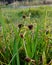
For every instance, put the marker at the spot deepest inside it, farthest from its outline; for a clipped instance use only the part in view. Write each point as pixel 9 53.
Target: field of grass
pixel 26 36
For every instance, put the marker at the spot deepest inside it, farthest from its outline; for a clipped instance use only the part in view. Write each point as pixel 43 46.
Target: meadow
pixel 26 36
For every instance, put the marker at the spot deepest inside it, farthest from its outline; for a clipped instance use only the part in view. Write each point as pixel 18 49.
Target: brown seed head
pixel 24 16
pixel 27 59
pixel 20 25
pixel 21 35
pixel 30 27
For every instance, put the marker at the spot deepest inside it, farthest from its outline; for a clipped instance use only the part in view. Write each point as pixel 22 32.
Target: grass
pixel 30 44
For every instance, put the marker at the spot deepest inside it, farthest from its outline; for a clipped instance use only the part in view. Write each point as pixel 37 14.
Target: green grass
pixel 18 43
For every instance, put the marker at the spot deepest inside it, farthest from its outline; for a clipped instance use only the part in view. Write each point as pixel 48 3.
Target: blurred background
pixel 25 2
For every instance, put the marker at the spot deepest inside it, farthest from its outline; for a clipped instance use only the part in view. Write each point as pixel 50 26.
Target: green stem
pixel 28 63
pixel 25 47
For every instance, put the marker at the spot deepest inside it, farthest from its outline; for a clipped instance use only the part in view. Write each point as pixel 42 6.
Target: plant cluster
pixel 28 41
